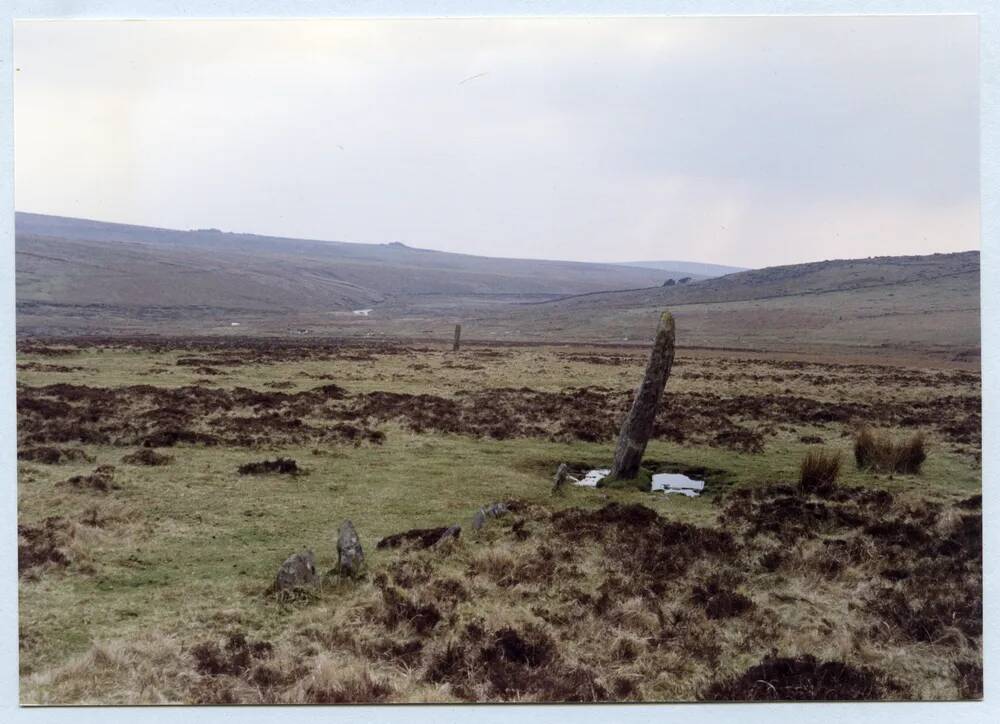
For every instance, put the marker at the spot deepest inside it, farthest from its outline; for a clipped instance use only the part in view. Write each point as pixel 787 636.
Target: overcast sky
pixel 751 141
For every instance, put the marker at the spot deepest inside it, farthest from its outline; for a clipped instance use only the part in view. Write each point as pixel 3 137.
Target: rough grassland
pixel 152 588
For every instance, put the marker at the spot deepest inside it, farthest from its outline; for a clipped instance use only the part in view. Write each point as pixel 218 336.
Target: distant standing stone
pixel 298 570
pixel 458 338
pixel 350 556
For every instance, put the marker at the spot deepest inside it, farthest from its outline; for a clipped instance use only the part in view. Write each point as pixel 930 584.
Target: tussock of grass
pixel 818 471
pixel 876 450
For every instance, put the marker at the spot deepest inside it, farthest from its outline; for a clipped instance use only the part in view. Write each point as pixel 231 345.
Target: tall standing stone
pixel 458 338
pixel 350 556
pixel 638 425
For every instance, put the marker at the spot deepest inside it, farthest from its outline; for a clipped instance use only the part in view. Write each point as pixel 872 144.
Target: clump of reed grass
pixel 818 471
pixel 877 451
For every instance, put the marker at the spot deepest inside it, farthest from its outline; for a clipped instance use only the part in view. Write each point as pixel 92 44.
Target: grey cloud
pixel 751 141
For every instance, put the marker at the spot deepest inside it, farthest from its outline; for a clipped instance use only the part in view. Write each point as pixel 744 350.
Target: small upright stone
pixel 496 510
pixel 488 511
pixel 350 556
pixel 560 479
pixel 298 571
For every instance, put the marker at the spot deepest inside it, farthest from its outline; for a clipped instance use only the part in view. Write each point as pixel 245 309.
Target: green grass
pixel 216 538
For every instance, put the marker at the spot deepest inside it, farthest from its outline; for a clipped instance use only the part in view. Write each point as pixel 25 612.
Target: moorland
pixel 195 407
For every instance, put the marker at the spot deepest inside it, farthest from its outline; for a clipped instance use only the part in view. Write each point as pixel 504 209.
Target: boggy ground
pixel 145 555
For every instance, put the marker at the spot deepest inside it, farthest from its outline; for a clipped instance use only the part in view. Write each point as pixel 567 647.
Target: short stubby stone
pixel 350 556
pixel 489 511
pixel 298 571
pixel 453 531
pixel 496 510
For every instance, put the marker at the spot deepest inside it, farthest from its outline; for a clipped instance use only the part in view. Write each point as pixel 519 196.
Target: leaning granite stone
pixel 350 556
pixel 478 519
pixel 638 425
pixel 298 571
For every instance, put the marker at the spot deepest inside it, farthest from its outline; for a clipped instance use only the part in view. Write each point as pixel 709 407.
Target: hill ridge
pixel 735 277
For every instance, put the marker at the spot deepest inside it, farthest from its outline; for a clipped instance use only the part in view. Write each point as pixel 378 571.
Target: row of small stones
pixel 299 569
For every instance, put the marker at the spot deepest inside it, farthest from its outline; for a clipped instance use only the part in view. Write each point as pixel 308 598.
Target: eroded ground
pixel 145 554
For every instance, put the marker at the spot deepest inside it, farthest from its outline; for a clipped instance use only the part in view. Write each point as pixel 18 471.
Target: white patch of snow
pixel 666 483
pixel 677 483
pixel 591 479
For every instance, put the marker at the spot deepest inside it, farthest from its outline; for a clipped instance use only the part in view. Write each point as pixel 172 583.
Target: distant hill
pixel 87 277
pixel 690 268
pixel 64 263
pixel 796 279
pixel 906 303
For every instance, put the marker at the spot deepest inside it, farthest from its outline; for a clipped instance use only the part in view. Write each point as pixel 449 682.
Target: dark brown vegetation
pixel 719 600
pixel 102 480
pixel 930 558
pixel 510 663
pixel 876 450
pixel 164 417
pixel 43 544
pixel 970 680
pixel 418 538
pixel 280 466
pixel 803 679
pixel 50 455
pixel 147 456
pixel 235 658
pixel 155 416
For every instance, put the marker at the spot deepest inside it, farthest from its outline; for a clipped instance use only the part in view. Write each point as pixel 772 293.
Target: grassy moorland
pixel 147 583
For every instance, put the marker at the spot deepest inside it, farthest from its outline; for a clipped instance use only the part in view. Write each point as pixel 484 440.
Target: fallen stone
pixel 350 556
pixel 453 531
pixel 298 571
